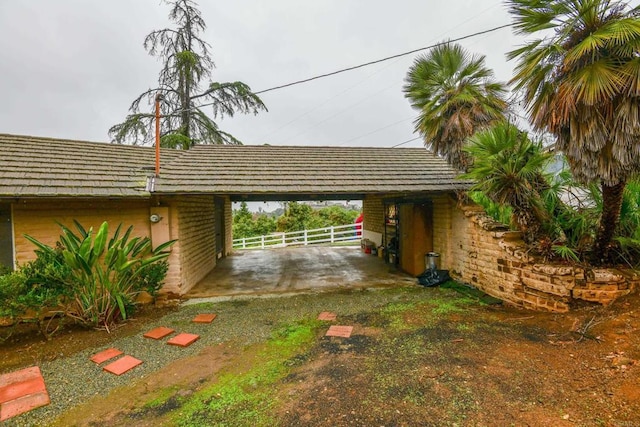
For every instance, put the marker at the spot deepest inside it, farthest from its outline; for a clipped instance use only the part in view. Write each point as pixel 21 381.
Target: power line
pixel 377 61
pixel 460 24
pixel 407 141
pixel 366 64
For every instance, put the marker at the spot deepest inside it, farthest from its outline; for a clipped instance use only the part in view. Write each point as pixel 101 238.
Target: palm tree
pixel 456 95
pixel 581 82
pixel 507 167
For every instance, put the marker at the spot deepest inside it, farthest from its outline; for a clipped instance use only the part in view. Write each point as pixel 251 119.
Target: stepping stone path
pixel 204 318
pixel 22 391
pixel 122 365
pixel 105 355
pixel 183 340
pixel 159 333
pixel 118 367
pixel 339 331
pixel 327 315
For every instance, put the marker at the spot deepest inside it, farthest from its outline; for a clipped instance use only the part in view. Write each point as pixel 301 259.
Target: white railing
pixel 333 234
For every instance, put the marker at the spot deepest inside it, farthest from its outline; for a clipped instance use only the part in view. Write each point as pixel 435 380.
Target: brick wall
pixel 481 252
pixel 193 256
pixel 373 214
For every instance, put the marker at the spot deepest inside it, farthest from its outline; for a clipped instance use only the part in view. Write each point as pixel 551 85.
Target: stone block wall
pixel 194 255
pixel 479 251
pixel 373 219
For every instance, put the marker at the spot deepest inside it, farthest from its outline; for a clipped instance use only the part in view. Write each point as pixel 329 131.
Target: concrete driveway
pixel 310 268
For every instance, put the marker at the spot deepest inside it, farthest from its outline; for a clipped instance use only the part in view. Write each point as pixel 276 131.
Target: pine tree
pixel 187 65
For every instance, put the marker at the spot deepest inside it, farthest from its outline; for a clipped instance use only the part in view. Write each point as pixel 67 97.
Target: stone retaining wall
pixel 485 254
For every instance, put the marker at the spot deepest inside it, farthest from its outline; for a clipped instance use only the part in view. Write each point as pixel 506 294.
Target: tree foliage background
pixel 297 216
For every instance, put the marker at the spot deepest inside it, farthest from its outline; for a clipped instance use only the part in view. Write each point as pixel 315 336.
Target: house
pixel 408 197
pixel 44 181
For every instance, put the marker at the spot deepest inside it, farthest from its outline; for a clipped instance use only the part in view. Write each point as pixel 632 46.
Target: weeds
pixel 246 397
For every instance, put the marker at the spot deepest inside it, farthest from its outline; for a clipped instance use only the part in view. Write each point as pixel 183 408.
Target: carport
pixel 391 182
pixel 297 269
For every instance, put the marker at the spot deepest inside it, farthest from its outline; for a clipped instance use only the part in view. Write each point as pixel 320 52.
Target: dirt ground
pixel 426 365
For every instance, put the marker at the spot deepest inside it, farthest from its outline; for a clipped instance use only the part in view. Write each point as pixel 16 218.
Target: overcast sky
pixel 70 68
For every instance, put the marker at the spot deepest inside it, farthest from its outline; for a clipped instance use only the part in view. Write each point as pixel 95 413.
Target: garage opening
pixel 323 255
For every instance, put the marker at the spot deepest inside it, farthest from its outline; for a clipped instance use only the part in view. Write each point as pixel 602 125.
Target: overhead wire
pixel 362 65
pixel 362 81
pixel 365 64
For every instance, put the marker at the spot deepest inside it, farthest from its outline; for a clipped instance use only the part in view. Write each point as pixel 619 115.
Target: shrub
pixel 103 276
pixel 13 289
pixel 151 277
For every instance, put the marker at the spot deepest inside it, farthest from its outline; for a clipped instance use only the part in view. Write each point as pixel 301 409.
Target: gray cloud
pixel 70 68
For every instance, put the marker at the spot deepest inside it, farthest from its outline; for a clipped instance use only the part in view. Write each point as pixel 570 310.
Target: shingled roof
pixel 286 170
pixel 34 167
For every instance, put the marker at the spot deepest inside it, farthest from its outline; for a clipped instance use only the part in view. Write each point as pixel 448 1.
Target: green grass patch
pixel 244 396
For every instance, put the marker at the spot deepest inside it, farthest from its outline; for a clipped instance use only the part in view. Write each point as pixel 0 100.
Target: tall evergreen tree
pixel 186 67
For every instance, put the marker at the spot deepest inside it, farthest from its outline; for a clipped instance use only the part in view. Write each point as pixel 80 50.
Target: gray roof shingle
pixel 35 166
pixel 232 169
pixel 31 166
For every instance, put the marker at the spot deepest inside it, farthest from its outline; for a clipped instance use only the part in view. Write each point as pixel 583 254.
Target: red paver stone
pixel 339 331
pixel 22 391
pixel 122 365
pixel 204 318
pixel 327 315
pixel 23 404
pixel 159 332
pixel 105 355
pixel 21 375
pixel 21 388
pixel 183 340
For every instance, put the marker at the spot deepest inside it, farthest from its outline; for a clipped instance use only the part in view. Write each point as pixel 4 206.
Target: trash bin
pixel 431 261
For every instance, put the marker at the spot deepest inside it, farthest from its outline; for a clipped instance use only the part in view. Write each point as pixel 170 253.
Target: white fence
pixel 333 234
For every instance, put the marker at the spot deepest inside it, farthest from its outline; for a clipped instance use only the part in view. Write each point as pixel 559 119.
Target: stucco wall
pixel 38 219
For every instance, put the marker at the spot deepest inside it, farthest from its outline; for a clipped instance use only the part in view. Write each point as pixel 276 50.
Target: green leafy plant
pixel 104 275
pixel 151 277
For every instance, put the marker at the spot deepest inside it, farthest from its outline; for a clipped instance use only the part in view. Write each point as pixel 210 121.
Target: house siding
pixel 39 219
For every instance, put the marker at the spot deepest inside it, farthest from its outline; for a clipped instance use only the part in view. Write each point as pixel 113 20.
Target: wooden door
pixel 416 236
